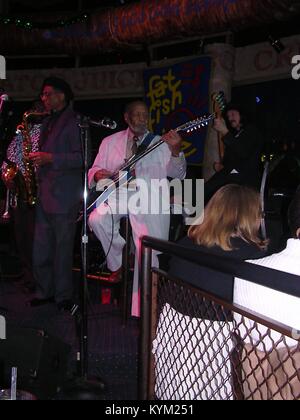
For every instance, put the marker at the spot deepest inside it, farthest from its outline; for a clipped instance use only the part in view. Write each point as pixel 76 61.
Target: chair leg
pixel 126 272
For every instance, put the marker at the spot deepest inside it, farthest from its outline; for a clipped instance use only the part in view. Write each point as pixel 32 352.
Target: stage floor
pixel 113 347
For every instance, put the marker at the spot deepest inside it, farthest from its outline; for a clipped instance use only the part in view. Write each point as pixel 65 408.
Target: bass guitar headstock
pixel 219 103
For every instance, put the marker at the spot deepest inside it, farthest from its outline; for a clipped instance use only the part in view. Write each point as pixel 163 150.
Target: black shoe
pixel 39 302
pixel 68 306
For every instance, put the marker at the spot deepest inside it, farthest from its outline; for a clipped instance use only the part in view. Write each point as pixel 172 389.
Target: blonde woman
pixel 230 228
pixel 194 335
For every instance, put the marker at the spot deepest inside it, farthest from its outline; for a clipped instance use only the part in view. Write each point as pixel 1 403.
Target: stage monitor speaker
pixel 41 360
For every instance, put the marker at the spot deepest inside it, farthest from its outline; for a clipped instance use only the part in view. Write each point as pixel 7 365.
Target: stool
pixel 124 284
pixel 126 232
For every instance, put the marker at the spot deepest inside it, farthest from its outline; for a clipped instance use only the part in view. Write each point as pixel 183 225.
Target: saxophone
pixel 26 185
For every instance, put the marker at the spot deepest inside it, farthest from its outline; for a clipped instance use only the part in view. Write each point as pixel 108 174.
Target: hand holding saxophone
pixel 41 158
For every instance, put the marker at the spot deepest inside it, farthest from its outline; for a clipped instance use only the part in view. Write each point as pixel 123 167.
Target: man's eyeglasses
pixel 47 94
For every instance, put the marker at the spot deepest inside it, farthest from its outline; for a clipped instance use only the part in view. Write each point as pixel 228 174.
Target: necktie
pixel 134 146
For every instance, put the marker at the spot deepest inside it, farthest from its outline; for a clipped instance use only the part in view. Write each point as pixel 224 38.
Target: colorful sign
pixel 176 94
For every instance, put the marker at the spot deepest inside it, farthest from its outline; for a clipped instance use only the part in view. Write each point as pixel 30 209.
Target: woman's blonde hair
pixel 233 211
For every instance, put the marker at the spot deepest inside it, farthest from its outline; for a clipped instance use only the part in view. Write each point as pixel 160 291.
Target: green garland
pixel 29 24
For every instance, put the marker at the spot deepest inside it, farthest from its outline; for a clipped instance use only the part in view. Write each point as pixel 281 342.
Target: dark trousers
pixel 53 254
pixel 23 219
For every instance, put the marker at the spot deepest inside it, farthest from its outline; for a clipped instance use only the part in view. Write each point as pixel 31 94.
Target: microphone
pixel 104 122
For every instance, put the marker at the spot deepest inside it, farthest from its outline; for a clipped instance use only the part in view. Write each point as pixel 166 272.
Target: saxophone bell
pixel 25 181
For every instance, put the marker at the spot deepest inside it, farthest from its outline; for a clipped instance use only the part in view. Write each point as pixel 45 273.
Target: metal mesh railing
pixel 200 347
pixel 208 350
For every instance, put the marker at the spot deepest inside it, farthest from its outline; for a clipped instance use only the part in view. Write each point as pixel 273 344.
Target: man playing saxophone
pixel 15 174
pixel 59 164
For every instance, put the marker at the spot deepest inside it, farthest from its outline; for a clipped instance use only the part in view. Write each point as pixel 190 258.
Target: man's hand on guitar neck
pixel 102 174
pixel 173 140
pixel 220 126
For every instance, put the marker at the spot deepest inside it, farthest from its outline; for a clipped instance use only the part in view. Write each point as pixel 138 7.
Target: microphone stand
pixel 85 388
pixel 4 216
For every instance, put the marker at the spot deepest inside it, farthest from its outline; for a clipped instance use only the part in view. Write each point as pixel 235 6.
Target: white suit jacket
pixel 158 164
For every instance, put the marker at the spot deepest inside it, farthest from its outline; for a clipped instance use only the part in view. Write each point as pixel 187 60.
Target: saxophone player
pixel 59 164
pixel 13 170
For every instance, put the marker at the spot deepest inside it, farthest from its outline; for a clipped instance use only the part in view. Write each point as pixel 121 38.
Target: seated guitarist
pixel 167 160
pixel 242 151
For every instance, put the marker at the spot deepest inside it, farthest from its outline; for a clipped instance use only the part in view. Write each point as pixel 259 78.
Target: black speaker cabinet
pixel 41 360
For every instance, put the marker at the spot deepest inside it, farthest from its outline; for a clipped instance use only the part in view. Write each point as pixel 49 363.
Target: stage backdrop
pixel 176 94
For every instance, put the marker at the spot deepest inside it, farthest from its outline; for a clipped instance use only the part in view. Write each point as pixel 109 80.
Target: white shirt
pixel 276 305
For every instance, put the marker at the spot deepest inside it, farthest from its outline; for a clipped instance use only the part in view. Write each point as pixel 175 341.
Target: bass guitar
pixel 218 107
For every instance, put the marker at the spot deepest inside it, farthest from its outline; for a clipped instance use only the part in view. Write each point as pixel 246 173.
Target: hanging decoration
pixel 138 24
pixel 28 24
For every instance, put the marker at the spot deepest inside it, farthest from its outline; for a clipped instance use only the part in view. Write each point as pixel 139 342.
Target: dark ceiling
pixel 33 6
pixel 43 10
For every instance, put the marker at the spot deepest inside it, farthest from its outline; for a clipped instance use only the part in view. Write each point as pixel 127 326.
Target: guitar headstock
pixel 219 102
pixel 195 124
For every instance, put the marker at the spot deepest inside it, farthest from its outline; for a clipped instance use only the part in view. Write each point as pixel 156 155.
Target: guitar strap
pixel 145 143
pixel 141 148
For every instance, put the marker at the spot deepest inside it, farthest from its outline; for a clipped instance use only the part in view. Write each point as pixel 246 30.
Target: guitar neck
pixel 220 139
pixel 218 107
pixel 135 158
pixel 187 127
pixel 220 147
